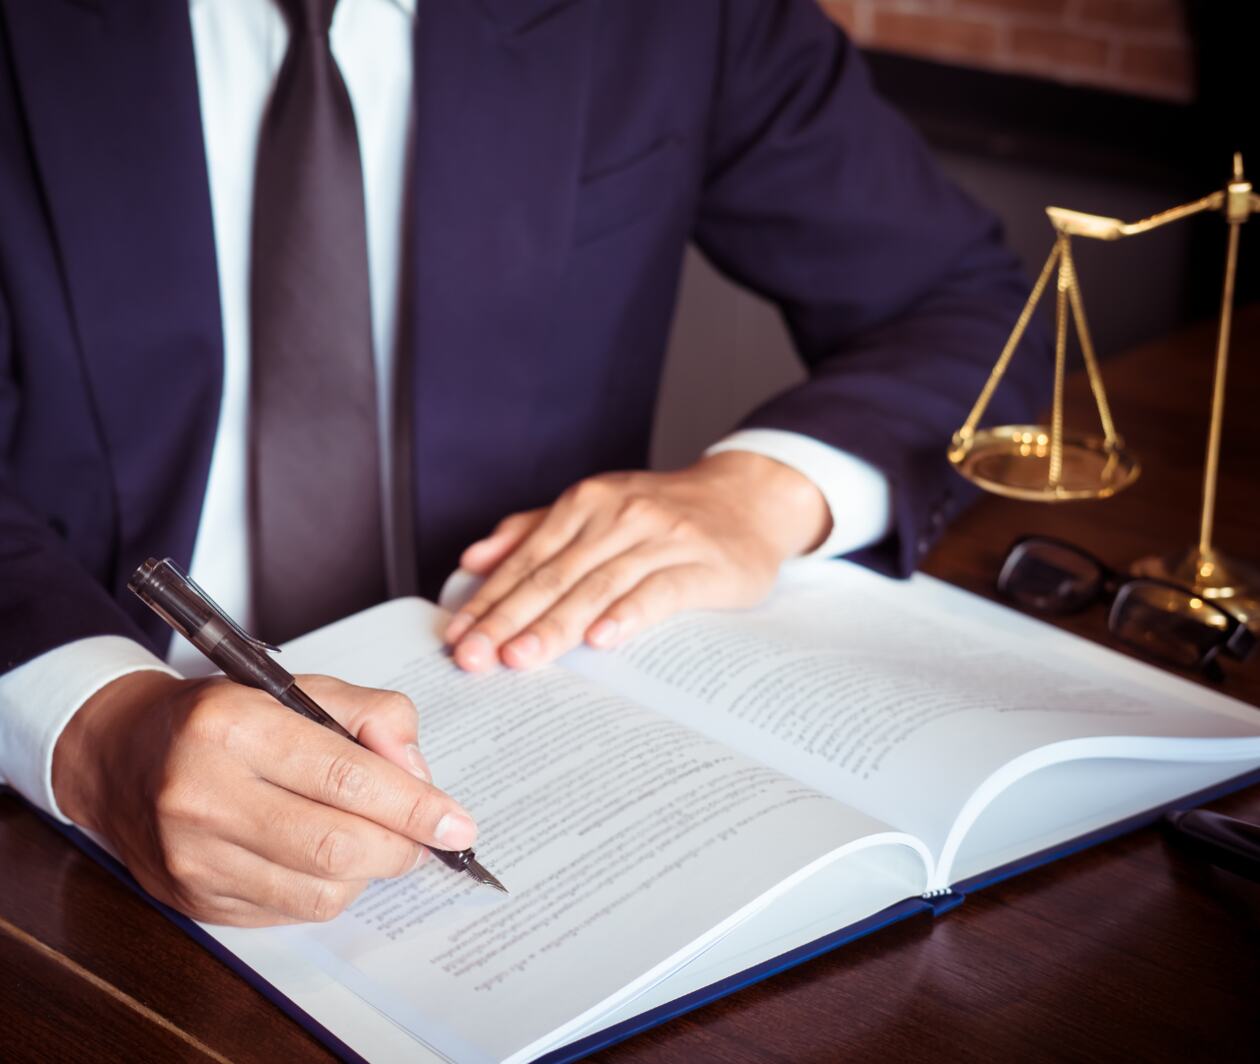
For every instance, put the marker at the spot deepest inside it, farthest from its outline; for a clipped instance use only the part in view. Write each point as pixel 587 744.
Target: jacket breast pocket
pixel 612 199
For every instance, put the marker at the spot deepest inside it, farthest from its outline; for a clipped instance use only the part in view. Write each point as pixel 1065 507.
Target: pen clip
pixel 200 592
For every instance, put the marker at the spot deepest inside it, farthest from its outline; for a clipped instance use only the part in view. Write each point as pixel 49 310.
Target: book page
pixel 1070 799
pixel 901 698
pixel 830 901
pixel 601 817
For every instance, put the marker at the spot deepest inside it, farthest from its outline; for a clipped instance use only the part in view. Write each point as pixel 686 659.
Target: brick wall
pixel 1135 46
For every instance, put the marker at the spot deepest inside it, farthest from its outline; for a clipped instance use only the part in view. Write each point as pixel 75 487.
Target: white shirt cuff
pixel 857 493
pixel 38 698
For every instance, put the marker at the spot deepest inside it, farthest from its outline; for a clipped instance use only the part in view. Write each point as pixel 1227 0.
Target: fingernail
pixel 455 831
pixel 526 647
pixel 418 765
pixel 475 651
pixel 458 625
pixel 603 634
pixel 421 857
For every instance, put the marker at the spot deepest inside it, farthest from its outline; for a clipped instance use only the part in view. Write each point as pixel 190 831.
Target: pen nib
pixel 478 871
pixel 466 861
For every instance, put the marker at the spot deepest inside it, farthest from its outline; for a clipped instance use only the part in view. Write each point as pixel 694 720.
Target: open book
pixel 725 794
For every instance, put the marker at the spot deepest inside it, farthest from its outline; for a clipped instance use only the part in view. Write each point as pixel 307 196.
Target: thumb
pixel 386 722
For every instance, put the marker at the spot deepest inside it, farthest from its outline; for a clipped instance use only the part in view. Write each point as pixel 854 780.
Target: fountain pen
pixel 173 596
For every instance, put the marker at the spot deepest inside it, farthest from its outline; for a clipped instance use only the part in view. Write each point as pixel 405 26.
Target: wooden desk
pixel 1124 952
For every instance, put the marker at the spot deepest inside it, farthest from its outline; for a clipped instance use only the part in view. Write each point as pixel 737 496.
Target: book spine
pixel 943 899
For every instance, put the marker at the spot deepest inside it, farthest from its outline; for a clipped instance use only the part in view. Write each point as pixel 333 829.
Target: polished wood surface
pixel 1127 951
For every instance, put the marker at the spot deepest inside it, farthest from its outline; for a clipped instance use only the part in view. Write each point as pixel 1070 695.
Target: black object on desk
pixel 1224 841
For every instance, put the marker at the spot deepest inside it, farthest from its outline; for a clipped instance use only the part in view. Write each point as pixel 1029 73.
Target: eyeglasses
pixel 1162 620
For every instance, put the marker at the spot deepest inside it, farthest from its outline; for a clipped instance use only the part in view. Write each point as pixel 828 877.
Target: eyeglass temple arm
pixel 1241 642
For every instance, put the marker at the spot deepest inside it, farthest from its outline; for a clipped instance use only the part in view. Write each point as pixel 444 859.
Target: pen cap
pixel 167 590
pixel 173 597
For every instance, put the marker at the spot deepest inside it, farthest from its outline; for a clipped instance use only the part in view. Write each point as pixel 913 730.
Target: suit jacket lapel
pixel 500 93
pixel 499 106
pixel 517 18
pixel 110 93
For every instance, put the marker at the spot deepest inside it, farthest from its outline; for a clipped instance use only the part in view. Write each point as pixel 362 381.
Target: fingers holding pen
pixel 236 810
pixel 315 840
pixel 248 890
pixel 326 769
pixel 315 818
pixel 386 722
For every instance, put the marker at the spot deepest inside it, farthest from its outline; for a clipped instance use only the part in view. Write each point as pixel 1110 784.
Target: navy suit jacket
pixel 565 152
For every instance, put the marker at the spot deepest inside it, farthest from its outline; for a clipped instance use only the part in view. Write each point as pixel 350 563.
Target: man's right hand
pixel 229 807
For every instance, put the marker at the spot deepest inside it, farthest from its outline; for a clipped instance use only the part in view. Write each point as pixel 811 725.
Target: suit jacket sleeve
pixel 895 286
pixel 46 597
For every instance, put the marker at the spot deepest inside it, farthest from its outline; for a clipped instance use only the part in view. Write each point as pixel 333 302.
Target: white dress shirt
pixel 239 45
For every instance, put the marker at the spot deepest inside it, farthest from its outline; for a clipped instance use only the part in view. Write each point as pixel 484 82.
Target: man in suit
pixel 308 295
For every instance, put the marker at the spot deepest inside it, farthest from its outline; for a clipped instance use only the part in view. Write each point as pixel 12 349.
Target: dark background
pixel 1018 144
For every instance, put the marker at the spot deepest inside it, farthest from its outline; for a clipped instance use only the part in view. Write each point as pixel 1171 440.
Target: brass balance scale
pixel 1043 464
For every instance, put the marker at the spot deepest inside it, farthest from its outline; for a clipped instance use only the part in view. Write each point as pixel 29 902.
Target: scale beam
pixel 1046 464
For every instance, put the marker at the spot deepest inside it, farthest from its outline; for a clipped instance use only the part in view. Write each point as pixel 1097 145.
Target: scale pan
pixel 1014 460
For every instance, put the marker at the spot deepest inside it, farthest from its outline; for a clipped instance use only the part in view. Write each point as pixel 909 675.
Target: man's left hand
pixel 619 552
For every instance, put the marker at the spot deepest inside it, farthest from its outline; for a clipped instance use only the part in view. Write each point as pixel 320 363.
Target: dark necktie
pixel 315 485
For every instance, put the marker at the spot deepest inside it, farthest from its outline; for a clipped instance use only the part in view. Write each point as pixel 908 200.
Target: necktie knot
pixel 309 16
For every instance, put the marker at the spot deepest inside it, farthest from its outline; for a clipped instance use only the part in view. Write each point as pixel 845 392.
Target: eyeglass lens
pixel 1049 577
pixel 1167 622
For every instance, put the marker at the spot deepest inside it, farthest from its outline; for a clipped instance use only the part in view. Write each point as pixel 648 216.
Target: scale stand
pixel 1041 464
